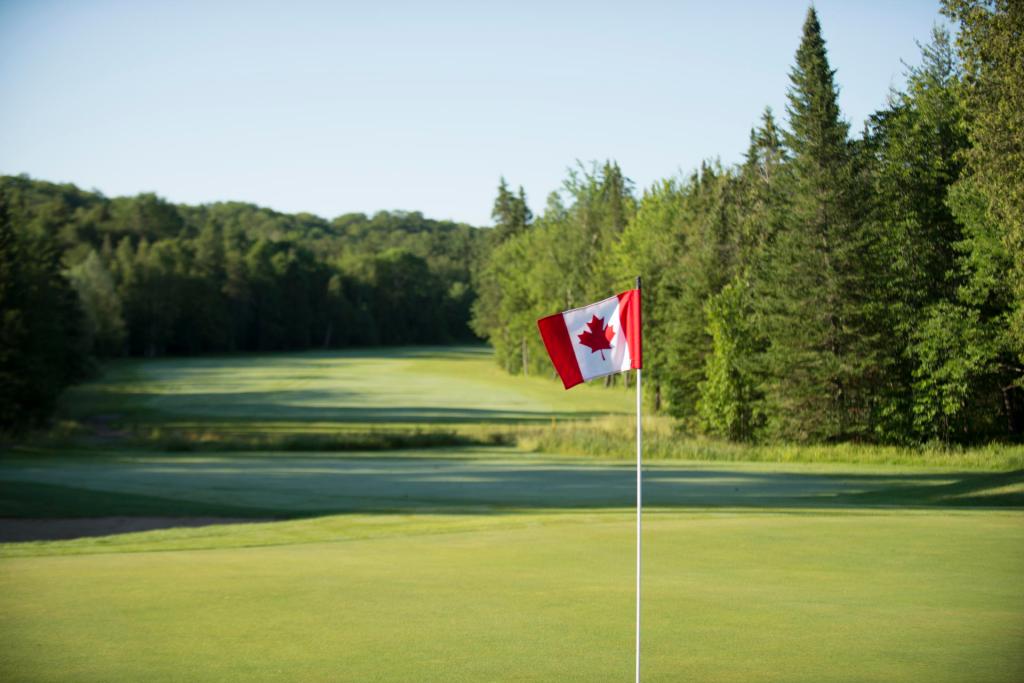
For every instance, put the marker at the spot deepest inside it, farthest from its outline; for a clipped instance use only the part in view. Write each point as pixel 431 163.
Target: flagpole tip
pixel 638 282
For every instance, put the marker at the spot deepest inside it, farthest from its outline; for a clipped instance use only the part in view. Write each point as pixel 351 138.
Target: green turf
pixel 485 563
pixel 280 485
pixel 326 391
pixel 730 596
pixel 407 398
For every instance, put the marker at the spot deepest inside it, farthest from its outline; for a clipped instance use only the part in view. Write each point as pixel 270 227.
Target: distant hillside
pixel 157 277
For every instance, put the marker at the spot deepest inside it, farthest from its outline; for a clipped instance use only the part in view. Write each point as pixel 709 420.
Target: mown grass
pixel 494 481
pixel 729 596
pixel 381 400
pixel 456 562
pixel 414 388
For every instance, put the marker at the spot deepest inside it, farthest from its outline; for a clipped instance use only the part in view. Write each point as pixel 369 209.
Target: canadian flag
pixel 595 340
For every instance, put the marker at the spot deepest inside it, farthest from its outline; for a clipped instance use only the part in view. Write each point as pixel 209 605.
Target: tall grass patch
pixel 614 437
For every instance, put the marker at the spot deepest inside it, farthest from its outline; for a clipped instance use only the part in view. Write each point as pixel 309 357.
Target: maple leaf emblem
pixel 597 337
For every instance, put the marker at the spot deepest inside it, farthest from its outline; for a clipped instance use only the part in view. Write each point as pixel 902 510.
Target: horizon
pixel 329 110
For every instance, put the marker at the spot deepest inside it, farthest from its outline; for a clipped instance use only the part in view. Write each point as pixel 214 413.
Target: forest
pixel 830 287
pixel 85 277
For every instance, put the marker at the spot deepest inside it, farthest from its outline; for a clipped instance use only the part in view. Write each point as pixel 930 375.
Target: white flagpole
pixel 639 509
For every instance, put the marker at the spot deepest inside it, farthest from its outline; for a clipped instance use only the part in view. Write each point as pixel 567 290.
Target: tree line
pixel 828 288
pixel 83 277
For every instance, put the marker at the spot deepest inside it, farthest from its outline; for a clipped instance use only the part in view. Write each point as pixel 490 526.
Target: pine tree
pixel 510 213
pixel 813 295
pixel 730 399
pixel 491 310
pixel 682 239
pixel 651 245
pixel 761 197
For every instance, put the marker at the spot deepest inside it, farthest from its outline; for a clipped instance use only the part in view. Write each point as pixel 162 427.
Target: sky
pixel 338 107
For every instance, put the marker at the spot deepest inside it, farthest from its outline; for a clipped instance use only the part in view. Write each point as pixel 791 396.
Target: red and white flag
pixel 595 340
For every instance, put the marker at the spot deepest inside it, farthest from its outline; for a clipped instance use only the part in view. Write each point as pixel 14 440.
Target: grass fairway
pixel 484 564
pixel 413 387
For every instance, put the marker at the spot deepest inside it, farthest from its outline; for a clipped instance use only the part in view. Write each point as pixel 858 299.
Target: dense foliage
pixel 42 343
pixel 827 289
pixel 85 276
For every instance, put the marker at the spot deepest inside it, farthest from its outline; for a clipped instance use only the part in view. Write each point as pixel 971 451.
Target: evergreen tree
pixel 814 295
pixel 407 304
pixel 651 245
pixel 511 217
pixel 705 263
pixel 731 398
pixel 763 204
pixel 511 214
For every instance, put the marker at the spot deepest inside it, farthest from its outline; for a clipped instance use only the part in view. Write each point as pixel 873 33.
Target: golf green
pixel 729 596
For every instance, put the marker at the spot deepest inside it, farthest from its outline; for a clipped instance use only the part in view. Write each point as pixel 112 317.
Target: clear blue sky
pixel 332 107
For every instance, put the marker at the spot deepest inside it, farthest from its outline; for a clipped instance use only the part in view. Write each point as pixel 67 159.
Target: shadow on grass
pixel 305 406
pixel 251 485
pixel 987 489
pixel 31 500
pixel 191 440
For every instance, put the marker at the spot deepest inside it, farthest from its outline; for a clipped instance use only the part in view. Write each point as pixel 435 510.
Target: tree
pixel 104 324
pixel 989 199
pixel 651 246
pixel 563 260
pixel 731 403
pixel 731 397
pixel 511 214
pixel 705 263
pixel 814 294
pixel 915 146
pixel 408 303
pixel 235 276
pixel 42 347
pixel 147 214
pixel 762 201
pixel 954 375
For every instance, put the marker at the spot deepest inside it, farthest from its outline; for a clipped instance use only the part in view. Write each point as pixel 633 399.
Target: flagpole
pixel 639 507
